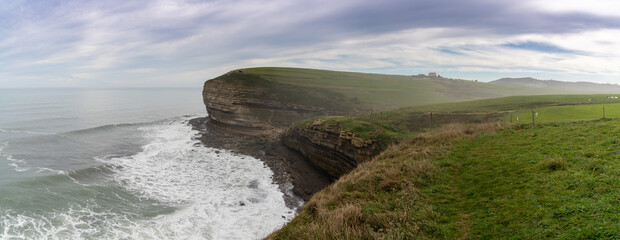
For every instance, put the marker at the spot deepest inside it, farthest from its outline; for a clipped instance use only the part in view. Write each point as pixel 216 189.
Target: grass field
pixel 400 124
pixel 566 113
pixel 382 92
pixel 516 103
pixel 558 181
pixel 493 180
pixel 489 181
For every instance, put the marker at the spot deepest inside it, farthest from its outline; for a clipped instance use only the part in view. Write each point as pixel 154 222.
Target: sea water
pixel 124 164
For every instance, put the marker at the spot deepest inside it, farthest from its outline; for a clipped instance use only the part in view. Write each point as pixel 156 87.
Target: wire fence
pixel 519 117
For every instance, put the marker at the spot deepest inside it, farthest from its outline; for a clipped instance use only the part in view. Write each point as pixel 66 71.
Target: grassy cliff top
pixel 378 91
pixel 552 181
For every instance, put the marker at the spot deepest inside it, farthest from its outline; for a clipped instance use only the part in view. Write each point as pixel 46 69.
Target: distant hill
pixel 381 92
pixel 582 87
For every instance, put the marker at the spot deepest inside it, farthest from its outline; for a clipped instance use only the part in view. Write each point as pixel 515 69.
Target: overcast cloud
pixel 121 43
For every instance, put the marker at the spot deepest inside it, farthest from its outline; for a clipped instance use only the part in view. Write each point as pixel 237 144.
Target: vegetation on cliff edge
pixel 470 181
pixel 490 181
pixel 397 125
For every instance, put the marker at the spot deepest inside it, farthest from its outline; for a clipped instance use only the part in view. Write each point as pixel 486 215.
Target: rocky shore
pixel 254 116
pixel 298 178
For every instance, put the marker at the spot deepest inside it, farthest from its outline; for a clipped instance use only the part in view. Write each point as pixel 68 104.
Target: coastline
pixel 296 177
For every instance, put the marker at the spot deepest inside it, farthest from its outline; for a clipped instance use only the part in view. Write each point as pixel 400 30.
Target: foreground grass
pixel 553 181
pixel 484 181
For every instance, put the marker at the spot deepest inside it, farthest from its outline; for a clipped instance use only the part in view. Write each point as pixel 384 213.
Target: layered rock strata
pixel 251 109
pixel 330 148
pixel 248 105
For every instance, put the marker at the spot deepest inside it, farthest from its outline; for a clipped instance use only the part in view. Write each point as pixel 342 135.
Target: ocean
pixel 124 164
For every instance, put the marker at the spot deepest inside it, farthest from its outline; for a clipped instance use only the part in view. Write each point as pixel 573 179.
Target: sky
pixel 182 43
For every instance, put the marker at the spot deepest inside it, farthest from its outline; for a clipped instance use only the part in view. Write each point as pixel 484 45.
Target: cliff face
pixel 248 104
pixel 228 105
pixel 329 147
pixel 251 106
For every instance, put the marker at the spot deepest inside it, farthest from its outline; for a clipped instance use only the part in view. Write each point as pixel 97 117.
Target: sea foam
pixel 205 193
pixel 219 195
pixel 17 164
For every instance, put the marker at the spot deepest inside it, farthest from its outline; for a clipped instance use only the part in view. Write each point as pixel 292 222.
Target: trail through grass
pixel 555 181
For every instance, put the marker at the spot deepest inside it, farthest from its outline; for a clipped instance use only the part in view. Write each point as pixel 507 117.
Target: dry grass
pixel 380 198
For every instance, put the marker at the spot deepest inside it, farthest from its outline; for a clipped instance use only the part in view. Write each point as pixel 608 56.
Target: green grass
pixel 404 123
pixel 557 181
pixel 516 103
pixel 391 127
pixel 552 181
pixel 383 92
pixel 566 113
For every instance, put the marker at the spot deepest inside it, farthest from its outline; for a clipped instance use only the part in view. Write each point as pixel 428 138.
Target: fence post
pixel 431 121
pixel 603 112
pixel 533 121
pixel 371 119
pixel 510 117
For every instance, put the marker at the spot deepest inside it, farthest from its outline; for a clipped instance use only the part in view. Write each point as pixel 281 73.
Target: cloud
pixel 595 7
pixel 503 17
pixel 540 47
pixel 179 43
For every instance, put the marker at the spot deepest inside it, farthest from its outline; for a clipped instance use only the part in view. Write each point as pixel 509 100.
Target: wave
pixel 124 125
pixel 27 132
pixel 101 128
pixel 221 195
pixel 17 164
pixel 173 188
pixel 74 149
pixel 107 127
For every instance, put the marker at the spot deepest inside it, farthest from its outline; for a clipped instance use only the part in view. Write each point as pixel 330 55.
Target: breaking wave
pixel 174 188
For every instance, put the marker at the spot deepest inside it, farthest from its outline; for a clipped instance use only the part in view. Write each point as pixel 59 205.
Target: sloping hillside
pixel 488 181
pixel 381 92
pixel 265 100
pixel 467 181
pixel 582 87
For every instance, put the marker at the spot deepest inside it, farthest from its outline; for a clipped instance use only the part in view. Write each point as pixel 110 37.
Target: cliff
pixel 250 104
pixel 248 113
pixel 329 147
